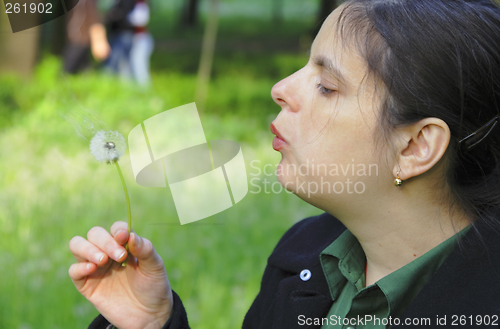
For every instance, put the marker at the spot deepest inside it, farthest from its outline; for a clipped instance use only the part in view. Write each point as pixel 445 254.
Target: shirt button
pixel 305 275
pixel 351 327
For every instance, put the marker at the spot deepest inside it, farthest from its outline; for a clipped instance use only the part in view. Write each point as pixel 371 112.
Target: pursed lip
pixel 278 141
pixel 276 132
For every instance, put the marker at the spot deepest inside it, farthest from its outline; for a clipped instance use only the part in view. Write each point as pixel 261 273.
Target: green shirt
pixel 377 305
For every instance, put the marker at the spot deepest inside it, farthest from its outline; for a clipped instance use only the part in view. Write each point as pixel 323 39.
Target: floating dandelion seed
pixel 109 146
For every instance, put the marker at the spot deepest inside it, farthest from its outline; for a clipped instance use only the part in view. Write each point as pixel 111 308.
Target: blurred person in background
pixel 131 43
pixel 85 34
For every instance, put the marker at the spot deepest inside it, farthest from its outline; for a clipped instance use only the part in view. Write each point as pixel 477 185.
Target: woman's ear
pixel 422 145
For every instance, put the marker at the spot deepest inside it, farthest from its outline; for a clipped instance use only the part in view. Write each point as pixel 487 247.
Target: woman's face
pixel 327 121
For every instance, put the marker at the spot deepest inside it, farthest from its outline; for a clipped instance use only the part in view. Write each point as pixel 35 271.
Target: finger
pixel 146 255
pixel 117 227
pixel 84 251
pixel 104 241
pixel 78 273
pixel 119 230
pixel 121 237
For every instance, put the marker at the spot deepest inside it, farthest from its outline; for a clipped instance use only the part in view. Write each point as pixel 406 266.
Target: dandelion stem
pixel 124 263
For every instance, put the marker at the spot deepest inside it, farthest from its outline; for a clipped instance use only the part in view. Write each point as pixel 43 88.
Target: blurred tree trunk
pixel 189 17
pixel 18 50
pixel 325 8
pixel 207 54
pixel 277 12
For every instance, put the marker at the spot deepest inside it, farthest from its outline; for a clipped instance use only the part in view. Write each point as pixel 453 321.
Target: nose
pixel 284 91
pixel 277 92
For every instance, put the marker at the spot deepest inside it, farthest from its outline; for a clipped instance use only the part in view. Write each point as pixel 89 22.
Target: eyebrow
pixel 328 65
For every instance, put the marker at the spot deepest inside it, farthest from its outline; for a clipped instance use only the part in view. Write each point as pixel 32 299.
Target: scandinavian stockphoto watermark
pixel 335 178
pixel 364 320
pixel 373 320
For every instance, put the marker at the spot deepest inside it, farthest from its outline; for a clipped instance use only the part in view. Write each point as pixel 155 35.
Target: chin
pixel 292 183
pixel 285 180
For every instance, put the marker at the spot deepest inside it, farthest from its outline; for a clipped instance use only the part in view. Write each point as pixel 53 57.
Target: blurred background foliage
pixel 51 189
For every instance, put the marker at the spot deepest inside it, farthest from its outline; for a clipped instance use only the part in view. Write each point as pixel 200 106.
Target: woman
pixel 410 86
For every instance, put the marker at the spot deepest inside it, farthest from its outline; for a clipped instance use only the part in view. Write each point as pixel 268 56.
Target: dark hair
pixel 438 58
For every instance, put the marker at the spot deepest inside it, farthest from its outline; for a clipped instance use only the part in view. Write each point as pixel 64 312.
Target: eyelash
pixel 323 90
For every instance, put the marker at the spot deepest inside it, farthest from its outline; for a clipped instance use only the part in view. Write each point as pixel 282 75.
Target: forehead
pixel 329 45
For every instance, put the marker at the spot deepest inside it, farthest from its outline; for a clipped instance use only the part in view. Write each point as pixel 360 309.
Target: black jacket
pixel 467 283
pixel 116 18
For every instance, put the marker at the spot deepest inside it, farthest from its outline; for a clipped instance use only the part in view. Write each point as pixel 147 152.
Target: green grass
pixel 52 189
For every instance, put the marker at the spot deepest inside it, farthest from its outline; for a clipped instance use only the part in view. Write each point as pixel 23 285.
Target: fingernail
pixel 89 265
pixel 136 239
pixel 120 231
pixel 100 257
pixel 119 254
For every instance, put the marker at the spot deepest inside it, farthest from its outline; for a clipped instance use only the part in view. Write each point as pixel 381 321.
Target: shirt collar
pixel 344 260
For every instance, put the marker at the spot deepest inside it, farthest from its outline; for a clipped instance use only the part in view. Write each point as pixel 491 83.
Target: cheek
pixel 330 133
pixel 345 137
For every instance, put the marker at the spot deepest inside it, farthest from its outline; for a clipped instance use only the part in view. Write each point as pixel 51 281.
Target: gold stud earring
pixel 398 181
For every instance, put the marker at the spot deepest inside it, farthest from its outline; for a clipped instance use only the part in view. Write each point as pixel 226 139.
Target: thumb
pixel 147 257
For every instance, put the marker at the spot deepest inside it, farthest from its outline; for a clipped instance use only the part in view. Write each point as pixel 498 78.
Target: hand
pixel 99 45
pixel 100 50
pixel 135 296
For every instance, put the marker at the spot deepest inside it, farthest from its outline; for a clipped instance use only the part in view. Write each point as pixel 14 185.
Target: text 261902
pixel 25 8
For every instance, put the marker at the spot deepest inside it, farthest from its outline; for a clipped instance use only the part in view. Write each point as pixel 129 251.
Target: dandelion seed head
pixel 107 146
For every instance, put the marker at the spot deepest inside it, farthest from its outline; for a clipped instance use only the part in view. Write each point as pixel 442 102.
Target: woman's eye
pixel 323 90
